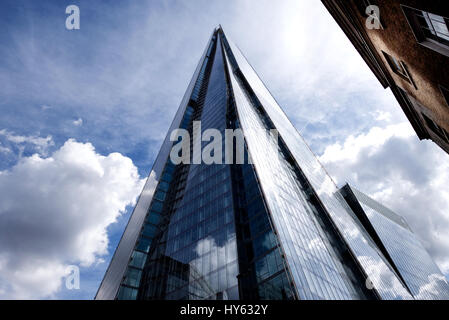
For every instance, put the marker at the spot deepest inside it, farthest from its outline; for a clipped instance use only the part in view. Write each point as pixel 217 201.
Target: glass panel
pixel 133 277
pixel 144 244
pixel 417 268
pixel 149 230
pixel 154 218
pixel 138 259
pixel 126 293
pixel 436 25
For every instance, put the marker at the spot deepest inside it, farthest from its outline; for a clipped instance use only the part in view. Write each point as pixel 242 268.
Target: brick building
pixel 406 45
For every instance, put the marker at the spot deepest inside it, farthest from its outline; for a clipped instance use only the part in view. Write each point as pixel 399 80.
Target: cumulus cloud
pixel 54 212
pixel 407 175
pixel 370 142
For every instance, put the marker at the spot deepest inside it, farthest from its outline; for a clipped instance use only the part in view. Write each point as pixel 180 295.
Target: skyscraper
pixel 272 227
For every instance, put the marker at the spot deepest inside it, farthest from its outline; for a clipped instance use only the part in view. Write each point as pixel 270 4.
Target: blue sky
pixel 101 99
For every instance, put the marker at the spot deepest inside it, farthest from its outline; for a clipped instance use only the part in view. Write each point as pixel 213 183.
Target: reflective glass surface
pixel 197 252
pixel 385 283
pixel 316 270
pixel 417 268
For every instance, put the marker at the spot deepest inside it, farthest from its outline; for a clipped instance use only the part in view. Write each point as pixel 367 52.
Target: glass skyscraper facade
pixel 274 227
pixel 399 245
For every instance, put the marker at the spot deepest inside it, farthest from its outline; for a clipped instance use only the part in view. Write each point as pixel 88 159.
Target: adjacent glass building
pixel 399 245
pixel 274 227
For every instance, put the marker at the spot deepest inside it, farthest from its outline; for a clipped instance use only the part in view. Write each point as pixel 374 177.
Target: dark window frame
pixel 424 34
pixel 421 120
pixel 435 128
pixel 399 68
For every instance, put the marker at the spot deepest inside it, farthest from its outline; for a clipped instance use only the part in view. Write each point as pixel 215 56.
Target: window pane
pixel 144 244
pixel 138 259
pixel 126 293
pixel 133 277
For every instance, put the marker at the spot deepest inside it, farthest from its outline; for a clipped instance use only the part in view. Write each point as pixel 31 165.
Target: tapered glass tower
pixel 272 227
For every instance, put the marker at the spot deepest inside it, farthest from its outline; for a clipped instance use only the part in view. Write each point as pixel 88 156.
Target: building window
pixel 399 68
pixel 434 26
pixel 424 126
pixel 436 129
pixel 445 93
pixel 430 30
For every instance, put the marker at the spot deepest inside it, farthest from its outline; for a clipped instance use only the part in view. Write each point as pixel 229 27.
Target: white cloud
pixel 380 115
pixel 54 212
pixel 372 141
pixel 39 143
pixel 4 149
pixel 78 122
pixel 405 174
